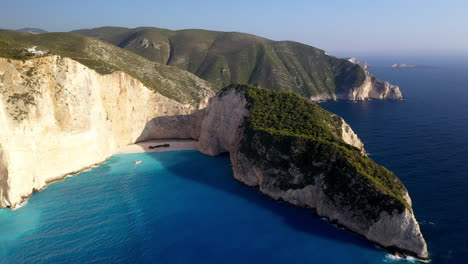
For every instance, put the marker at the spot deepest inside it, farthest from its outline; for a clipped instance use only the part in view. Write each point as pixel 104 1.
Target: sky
pixel 340 27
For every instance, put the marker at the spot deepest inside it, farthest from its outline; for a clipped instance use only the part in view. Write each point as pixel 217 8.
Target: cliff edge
pixel 295 151
pixel 59 116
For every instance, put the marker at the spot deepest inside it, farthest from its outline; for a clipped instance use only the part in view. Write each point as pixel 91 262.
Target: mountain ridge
pixel 228 57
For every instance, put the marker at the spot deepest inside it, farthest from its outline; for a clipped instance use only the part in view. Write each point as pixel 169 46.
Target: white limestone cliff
pixel 57 116
pixel 348 136
pixel 354 60
pixel 371 88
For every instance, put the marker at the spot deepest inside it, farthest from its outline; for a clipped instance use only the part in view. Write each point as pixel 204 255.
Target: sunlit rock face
pixel 58 116
pixel 371 88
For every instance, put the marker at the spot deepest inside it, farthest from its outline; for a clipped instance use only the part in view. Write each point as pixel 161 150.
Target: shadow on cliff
pixel 173 127
pixel 303 220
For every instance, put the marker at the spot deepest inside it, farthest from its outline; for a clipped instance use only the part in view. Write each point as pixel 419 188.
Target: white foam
pixel 407 258
pixel 23 203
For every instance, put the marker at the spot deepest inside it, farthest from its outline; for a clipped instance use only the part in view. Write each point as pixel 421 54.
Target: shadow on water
pixel 303 220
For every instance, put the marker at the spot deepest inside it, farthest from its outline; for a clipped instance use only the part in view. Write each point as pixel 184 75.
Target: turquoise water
pixel 174 207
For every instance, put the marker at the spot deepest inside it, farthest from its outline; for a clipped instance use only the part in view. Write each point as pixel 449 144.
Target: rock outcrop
pixel 58 116
pixel 354 60
pixel 300 172
pixel 371 88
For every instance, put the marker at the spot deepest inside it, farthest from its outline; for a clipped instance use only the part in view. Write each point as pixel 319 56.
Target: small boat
pixel 160 146
pixel 137 161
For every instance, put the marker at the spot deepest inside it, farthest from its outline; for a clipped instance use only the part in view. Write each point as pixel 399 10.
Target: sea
pixel 185 207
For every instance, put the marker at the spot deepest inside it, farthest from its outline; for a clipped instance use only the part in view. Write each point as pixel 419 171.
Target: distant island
pixel 403 65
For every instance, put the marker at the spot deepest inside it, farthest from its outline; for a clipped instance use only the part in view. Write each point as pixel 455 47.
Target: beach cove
pixel 175 206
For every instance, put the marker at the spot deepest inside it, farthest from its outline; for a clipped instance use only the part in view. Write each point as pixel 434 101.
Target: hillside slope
pixel 226 57
pixel 104 58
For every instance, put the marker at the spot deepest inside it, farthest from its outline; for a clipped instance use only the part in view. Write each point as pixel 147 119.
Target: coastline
pixel 140 147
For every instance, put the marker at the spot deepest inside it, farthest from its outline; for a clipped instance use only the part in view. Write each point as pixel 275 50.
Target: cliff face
pixel 371 88
pixel 58 116
pixel 309 173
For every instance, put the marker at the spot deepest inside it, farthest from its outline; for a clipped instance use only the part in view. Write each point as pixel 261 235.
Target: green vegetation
pixel 226 57
pixel 13 50
pixel 18 105
pixel 300 134
pixel 105 58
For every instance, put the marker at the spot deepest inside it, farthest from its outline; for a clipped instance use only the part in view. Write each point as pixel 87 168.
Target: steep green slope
pixel 170 81
pixel 294 151
pixel 309 135
pixel 226 57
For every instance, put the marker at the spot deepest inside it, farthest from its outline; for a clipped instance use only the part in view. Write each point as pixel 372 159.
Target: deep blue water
pixel 183 207
pixel 424 140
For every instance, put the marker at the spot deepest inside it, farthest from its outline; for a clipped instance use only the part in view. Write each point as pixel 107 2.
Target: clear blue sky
pixel 338 26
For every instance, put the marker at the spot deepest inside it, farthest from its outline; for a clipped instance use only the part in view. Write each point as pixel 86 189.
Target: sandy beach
pixel 174 144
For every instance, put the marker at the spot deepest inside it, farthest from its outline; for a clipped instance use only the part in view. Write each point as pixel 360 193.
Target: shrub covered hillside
pixel 105 58
pixel 299 134
pixel 227 57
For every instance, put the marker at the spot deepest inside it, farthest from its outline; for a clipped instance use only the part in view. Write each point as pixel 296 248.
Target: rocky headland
pixel 371 88
pixel 309 157
pixel 293 150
